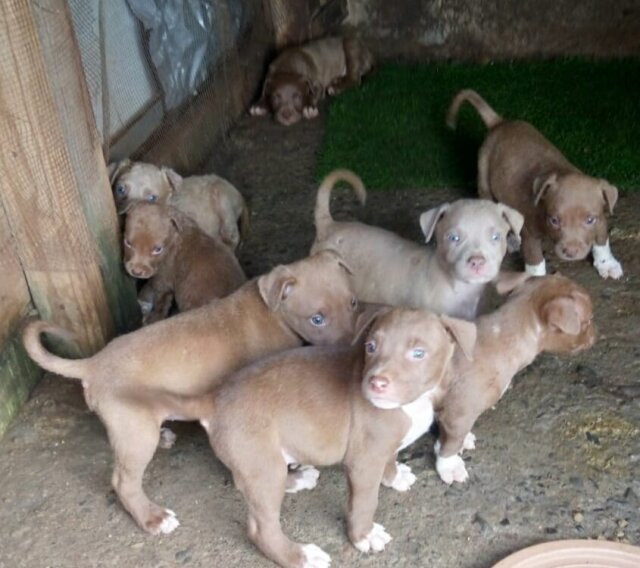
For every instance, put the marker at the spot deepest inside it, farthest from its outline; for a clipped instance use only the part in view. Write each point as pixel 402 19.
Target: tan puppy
pixel 158 372
pixel 470 237
pixel 211 201
pixel 182 261
pixel 300 76
pixel 520 167
pixel 323 406
pixel 551 314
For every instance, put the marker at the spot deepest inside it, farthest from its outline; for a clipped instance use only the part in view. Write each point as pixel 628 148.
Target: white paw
pixel 375 541
pixel 609 268
pixel 331 90
pixel 145 307
pixel 451 469
pixel 310 112
pixel 315 557
pixel 170 522
pixel 469 442
pixel 404 478
pixel 536 269
pixel 257 110
pixel 306 477
pixel 167 438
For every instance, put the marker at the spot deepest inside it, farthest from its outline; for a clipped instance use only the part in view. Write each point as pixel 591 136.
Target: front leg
pixel 161 307
pixel 532 252
pixel 604 262
pixel 455 436
pixel 259 108
pixel 398 476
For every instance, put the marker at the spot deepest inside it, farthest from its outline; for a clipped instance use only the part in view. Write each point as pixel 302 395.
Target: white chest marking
pixel 420 412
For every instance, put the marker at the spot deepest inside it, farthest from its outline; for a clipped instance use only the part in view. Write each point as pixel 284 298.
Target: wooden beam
pixel 67 272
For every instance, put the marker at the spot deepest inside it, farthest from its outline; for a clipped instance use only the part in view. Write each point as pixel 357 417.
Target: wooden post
pixel 55 193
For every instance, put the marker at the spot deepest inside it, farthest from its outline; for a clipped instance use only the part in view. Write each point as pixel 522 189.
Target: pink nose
pixel 136 271
pixel 477 262
pixel 378 384
pixel 286 114
pixel 570 251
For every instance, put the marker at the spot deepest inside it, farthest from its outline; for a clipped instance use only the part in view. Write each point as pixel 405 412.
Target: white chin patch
pixel 536 269
pixel 605 263
pixel 315 557
pixel 375 541
pixel 383 403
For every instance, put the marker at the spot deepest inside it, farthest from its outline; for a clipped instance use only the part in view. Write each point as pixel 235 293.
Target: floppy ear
pixel 176 218
pixel 514 218
pixel 335 255
pixel 370 312
pixel 610 194
pixel 429 219
pixel 276 286
pixel 116 168
pixel 562 314
pixel 542 184
pixel 173 178
pixel 464 333
pixel 508 281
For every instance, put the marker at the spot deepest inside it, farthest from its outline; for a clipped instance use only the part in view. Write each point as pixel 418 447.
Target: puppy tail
pixel 322 211
pixel 73 368
pixel 488 115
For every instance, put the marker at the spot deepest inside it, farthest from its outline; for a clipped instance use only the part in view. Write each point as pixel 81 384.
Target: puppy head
pixel 314 297
pixel 574 210
pixel 407 353
pixel 137 181
pixel 471 236
pixel 288 94
pixel 149 232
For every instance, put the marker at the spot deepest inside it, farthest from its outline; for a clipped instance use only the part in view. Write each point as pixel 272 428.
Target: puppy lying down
pixel 471 241
pixel 182 261
pixel 216 206
pixel 299 77
pixel 357 406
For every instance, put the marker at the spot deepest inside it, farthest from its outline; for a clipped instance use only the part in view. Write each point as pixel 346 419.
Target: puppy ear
pixel 314 90
pixel 542 184
pixel 562 314
pixel 514 218
pixel 115 169
pixel 335 255
pixel 276 286
pixel 464 333
pixel 508 281
pixel 173 178
pixel 370 312
pixel 610 194
pixel 176 218
pixel 429 220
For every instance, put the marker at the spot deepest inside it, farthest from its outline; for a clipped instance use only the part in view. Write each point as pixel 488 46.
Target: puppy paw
pixel 310 112
pixel 257 110
pixel 451 469
pixel 375 541
pixel 305 477
pixel 163 522
pixel 403 480
pixel 609 268
pixel 469 442
pixel 315 557
pixel 536 269
pixel 167 438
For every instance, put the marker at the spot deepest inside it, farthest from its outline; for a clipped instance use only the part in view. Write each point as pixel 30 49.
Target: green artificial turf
pixel 391 131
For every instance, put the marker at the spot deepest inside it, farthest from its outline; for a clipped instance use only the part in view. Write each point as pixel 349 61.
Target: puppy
pixel 156 373
pixel 182 261
pixel 300 76
pixel 450 279
pixel 323 406
pixel 520 167
pixel 212 202
pixel 551 314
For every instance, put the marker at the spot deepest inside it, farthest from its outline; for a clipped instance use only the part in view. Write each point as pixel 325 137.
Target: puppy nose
pixel 378 384
pixel 135 271
pixel 286 114
pixel 570 251
pixel 477 261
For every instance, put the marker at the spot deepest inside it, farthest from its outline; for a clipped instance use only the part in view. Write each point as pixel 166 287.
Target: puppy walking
pixel 518 166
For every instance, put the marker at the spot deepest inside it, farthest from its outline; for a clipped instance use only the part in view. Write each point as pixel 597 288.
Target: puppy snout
pixel 477 262
pixel 570 251
pixel 138 271
pixel 378 384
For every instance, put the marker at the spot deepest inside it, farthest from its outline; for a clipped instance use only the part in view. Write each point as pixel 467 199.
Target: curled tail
pixel 488 115
pixel 73 368
pixel 322 211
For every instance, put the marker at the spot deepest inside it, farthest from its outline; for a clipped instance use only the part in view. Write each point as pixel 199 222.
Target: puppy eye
pixel 453 237
pixel 318 320
pixel 127 243
pixel 354 303
pixel 554 221
pixel 121 190
pixel 496 237
pixel 157 250
pixel 152 198
pixel 590 220
pixel 418 353
pixel 370 346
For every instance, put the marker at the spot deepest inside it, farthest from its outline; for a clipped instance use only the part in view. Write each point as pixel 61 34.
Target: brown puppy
pixel 300 76
pixel 216 206
pixel 356 406
pixel 155 373
pixel 520 167
pixel 471 241
pixel 182 261
pixel 551 314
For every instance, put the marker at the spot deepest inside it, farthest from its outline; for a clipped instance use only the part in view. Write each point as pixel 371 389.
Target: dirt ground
pixel 557 458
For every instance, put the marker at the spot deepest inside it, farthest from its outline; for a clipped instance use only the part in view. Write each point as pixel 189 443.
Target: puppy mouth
pixel 289 120
pixel 381 402
pixel 144 274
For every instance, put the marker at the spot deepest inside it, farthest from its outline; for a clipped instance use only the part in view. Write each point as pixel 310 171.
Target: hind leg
pixel 132 455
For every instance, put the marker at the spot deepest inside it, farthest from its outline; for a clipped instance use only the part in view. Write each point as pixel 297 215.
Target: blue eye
pixel 370 346
pixel 317 319
pixel 121 190
pixel 495 237
pixel 590 220
pixel 453 237
pixel 418 353
pixel 157 250
pixel 152 198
